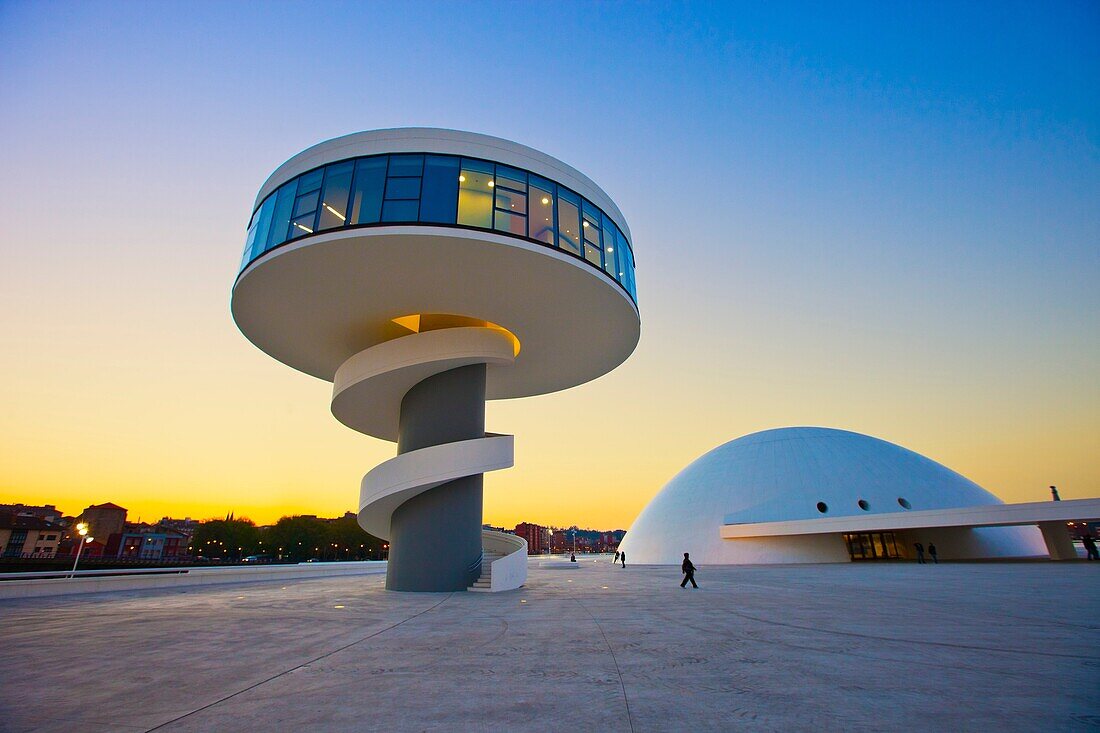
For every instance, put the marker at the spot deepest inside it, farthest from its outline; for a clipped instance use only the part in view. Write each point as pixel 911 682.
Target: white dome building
pixel 811 495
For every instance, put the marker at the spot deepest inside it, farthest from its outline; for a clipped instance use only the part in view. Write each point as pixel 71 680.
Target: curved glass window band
pixel 447 190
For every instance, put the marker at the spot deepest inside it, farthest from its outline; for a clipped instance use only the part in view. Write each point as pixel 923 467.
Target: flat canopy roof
pixel 991 515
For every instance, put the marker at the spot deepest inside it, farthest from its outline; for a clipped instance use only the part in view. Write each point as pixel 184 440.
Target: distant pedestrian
pixel 920 552
pixel 622 558
pixel 1090 547
pixel 1054 493
pixel 689 573
pixel 932 552
pixel 616 557
pixel 572 557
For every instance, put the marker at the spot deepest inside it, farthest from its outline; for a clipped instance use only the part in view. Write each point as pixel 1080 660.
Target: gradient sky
pixel 882 217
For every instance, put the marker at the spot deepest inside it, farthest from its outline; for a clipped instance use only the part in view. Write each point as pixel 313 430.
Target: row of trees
pixel 295 539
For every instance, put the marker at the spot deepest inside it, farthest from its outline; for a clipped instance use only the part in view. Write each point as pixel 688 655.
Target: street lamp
pixel 82 530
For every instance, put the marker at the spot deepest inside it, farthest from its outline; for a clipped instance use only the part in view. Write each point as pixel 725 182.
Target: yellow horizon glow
pixel 262 444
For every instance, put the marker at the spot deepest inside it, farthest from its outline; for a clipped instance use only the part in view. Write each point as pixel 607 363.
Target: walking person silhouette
pixel 689 572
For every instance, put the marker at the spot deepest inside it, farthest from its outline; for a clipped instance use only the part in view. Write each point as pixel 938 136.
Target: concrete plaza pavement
pixel 950 647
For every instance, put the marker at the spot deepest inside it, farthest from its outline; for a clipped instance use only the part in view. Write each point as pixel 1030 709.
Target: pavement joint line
pixel 917 642
pixel 299 666
pixel 939 605
pixel 986 670
pixel 626 700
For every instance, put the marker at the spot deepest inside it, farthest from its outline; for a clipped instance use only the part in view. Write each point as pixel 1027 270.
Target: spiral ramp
pixel 369 395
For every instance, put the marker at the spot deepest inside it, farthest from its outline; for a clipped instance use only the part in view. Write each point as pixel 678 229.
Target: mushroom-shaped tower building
pixel 423 271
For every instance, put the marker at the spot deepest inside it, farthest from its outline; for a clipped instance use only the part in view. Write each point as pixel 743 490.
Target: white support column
pixel 1059 544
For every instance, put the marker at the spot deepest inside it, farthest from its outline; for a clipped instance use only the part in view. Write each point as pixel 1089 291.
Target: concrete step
pixel 484 583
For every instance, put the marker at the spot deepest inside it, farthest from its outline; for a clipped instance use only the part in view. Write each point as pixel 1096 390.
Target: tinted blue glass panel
pixel 511 178
pixel 569 221
pixel 248 242
pixel 541 207
pixel 608 239
pixel 402 188
pixel 439 190
pixel 334 200
pixel 400 210
pixel 511 201
pixel 301 226
pixel 631 281
pixel 622 259
pixel 511 223
pixel 310 181
pixel 306 204
pixel 263 225
pixel 366 190
pixel 281 219
pixel 590 228
pixel 406 165
pixel 626 261
pixel 475 193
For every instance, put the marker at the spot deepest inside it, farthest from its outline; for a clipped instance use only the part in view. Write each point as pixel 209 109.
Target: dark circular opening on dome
pixel 904 503
pixel 863 504
pixel 822 507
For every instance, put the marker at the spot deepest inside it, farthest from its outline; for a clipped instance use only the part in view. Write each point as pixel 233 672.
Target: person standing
pixel 932 553
pixel 920 552
pixel 1054 494
pixel 622 558
pixel 689 573
pixel 616 557
pixel 1090 547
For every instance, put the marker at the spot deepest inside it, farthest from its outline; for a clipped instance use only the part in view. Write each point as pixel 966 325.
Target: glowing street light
pixel 82 530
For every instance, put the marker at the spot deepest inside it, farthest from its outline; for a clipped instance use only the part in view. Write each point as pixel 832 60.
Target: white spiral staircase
pixel 367 394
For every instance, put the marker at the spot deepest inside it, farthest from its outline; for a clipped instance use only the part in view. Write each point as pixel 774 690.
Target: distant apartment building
pixel 585 540
pixel 609 541
pixel 104 520
pixel 169 539
pixel 185 526
pixel 47 511
pixel 147 542
pixel 536 535
pixel 23 536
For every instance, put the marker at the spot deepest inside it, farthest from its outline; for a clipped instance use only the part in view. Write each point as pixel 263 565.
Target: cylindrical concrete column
pixel 435 537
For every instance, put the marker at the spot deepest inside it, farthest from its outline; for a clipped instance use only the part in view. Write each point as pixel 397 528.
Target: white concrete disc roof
pixel 314 303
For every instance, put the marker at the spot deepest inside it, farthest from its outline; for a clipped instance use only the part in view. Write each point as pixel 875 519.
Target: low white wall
pixel 510 571
pixel 89 582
